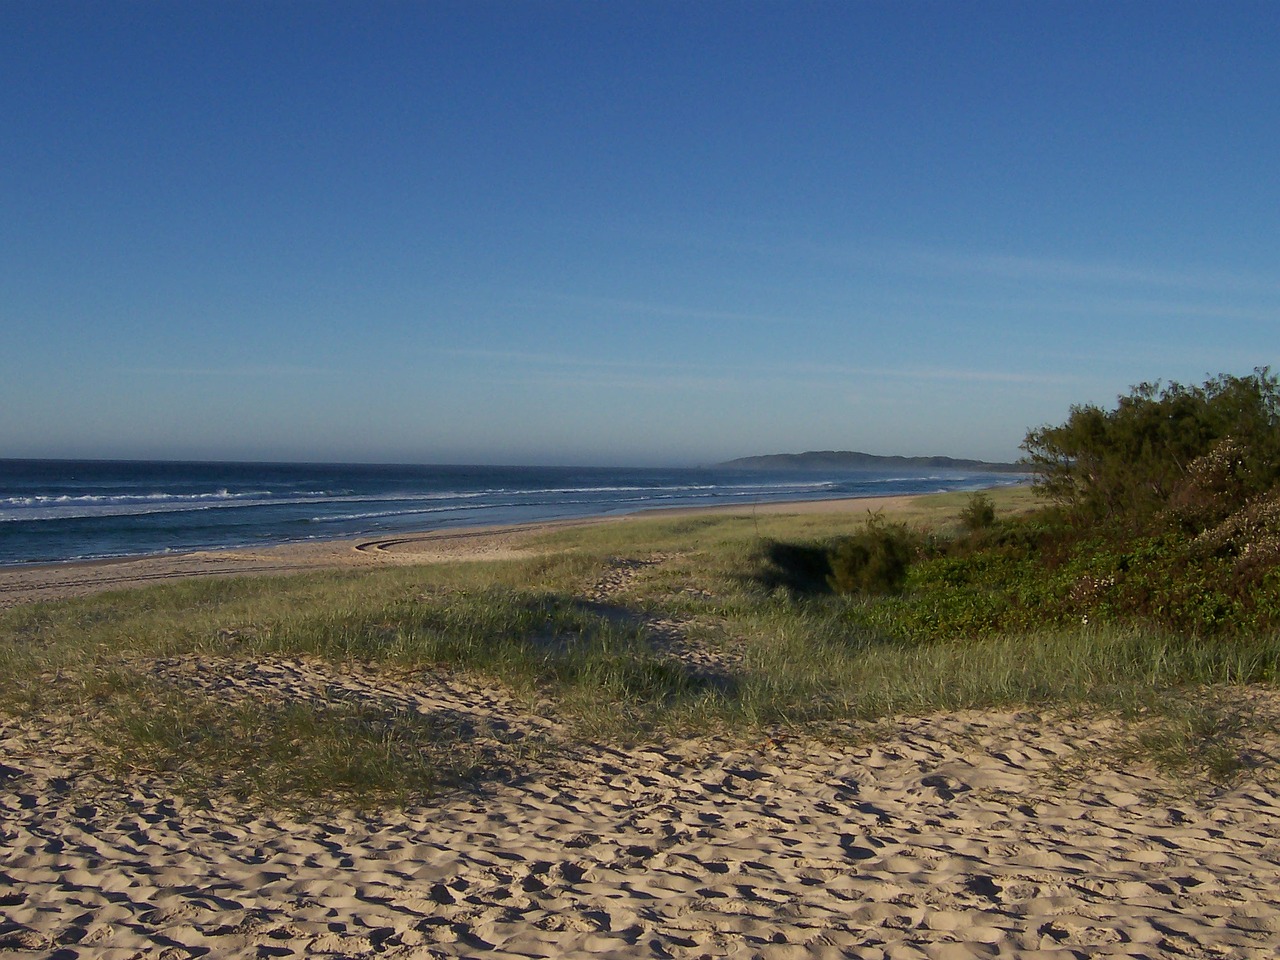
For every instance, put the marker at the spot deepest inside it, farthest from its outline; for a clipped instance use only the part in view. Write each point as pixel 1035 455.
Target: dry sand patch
pixel 948 836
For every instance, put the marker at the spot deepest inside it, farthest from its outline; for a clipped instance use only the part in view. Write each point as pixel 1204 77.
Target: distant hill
pixel 852 460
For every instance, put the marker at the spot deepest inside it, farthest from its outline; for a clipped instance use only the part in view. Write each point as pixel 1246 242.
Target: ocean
pixel 55 511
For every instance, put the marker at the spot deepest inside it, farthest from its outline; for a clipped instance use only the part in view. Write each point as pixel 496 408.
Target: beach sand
pixel 965 835
pixel 23 584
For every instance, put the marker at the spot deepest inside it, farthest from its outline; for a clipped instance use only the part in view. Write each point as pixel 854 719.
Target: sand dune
pixel 964 835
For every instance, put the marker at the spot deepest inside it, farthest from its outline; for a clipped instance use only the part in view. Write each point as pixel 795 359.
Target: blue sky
pixel 624 232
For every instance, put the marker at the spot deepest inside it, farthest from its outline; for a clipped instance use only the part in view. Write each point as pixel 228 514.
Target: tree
pixel 1124 465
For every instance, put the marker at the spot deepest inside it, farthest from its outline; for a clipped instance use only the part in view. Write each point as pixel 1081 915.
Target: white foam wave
pixel 43 500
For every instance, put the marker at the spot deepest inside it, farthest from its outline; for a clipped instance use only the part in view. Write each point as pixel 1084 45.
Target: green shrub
pixel 1213 446
pixel 874 560
pixel 979 513
pixel 1169 509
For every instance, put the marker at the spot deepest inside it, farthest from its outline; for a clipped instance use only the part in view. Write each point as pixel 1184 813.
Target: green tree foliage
pixel 1164 453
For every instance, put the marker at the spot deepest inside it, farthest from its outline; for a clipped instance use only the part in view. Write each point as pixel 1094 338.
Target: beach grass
pixel 591 631
pixel 305 752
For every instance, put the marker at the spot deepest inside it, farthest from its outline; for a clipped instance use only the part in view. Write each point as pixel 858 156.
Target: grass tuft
pixel 1203 736
pixel 297 753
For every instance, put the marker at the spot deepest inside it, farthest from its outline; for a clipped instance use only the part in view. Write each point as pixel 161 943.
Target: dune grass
pixel 809 662
pixel 302 753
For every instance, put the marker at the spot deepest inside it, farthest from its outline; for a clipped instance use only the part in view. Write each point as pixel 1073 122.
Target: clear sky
pixel 622 232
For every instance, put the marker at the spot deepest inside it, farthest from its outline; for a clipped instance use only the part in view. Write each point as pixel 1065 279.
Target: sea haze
pixel 59 510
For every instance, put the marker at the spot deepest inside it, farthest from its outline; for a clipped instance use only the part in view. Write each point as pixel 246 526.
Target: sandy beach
pixel 945 837
pixel 965 835
pixel 22 584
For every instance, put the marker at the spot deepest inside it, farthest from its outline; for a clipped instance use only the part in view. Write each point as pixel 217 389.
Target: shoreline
pixel 76 578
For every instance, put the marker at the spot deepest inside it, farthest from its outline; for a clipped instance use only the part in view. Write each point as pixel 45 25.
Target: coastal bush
pixel 1164 510
pixel 1045 571
pixel 979 513
pixel 874 560
pixel 871 560
pixel 1158 581
pixel 1163 453
pixel 1202 560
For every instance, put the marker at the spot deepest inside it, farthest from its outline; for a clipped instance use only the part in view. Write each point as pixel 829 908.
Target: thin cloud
pixel 670 310
pixel 562 360
pixel 240 373
pixel 932 374
pixel 873 256
pixel 539 369
pixel 1199 311
pixel 1085 307
pixel 664 383
pixel 1056 269
pixel 593 372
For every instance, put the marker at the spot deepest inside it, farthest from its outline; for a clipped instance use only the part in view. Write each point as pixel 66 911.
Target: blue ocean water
pixel 60 510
